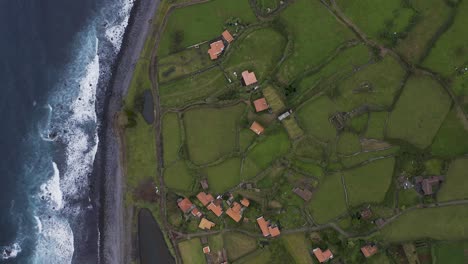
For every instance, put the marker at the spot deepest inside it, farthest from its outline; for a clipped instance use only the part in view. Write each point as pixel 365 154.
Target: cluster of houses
pixel 326 255
pixel 423 185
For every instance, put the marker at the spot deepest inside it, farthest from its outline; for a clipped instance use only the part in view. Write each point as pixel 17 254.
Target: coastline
pixel 115 238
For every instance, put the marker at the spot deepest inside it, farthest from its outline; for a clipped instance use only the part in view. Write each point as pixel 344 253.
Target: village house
pixel 365 213
pixel 245 202
pixel 206 250
pixel 205 198
pixel 257 128
pixel 305 194
pixel 227 36
pixel 248 78
pixel 216 48
pixel 322 256
pixel 185 205
pixel 266 228
pixel 369 250
pixel 196 212
pixel 235 212
pixel 261 105
pixel 216 209
pixel 206 224
pixel 426 186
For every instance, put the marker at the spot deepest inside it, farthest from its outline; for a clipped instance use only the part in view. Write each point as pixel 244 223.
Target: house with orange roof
pixel 245 202
pixel 206 250
pixel 216 209
pixel 261 105
pixel 196 212
pixel 206 224
pixel 235 212
pixel 274 231
pixel 369 250
pixel 216 48
pixel 227 36
pixel 267 228
pixel 205 198
pixel 185 205
pixel 257 128
pixel 322 256
pixel 249 78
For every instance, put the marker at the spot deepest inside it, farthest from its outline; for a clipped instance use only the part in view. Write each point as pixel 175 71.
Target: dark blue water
pixel 55 56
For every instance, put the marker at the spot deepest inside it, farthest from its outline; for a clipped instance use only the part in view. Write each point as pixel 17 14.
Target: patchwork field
pixel 191 251
pixel 211 133
pixel 178 176
pixel 444 223
pixel 450 252
pixel 306 20
pixel 376 125
pixel 368 155
pixel 238 245
pixel 370 182
pixel 329 200
pixel 314 118
pixel 225 175
pixel 348 143
pixel 452 137
pixel 297 245
pixel 419 112
pixel 171 136
pixel 201 22
pixel 454 188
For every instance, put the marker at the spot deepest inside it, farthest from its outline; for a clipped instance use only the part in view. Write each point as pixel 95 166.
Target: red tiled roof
pixel 217 210
pixel 235 212
pixel 261 105
pixel 245 202
pixel 263 226
pixel 369 250
pixel 206 250
pixel 185 205
pixel 274 231
pixel 322 256
pixel 196 212
pixel 205 198
pixel 257 128
pixel 206 224
pixel 227 36
pixel 249 78
pixel 215 49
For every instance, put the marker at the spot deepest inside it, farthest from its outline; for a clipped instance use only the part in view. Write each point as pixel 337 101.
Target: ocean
pixel 56 59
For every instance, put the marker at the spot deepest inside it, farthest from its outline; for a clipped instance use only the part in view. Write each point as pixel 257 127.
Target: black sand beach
pixel 115 240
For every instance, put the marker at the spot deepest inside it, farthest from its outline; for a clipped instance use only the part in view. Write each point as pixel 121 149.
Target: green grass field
pixel 329 200
pixel 370 182
pixel 294 131
pixel 178 177
pixel 274 100
pixel 306 20
pixel 246 137
pixel 454 188
pixel 211 132
pixel 444 223
pixel 259 52
pixel 202 22
pixel 337 69
pixel 368 155
pixel 451 49
pixel 449 252
pixel 309 148
pixel 431 15
pixel 359 123
pixel 225 175
pixel 298 247
pixel 452 137
pixel 191 251
pixel 419 112
pixel 171 137
pixel 216 242
pixel 348 143
pixel 375 85
pixel 408 198
pixel 379 19
pixel 376 125
pixel 267 150
pixel 238 245
pixel 260 256
pixel 182 63
pixel 193 88
pixel 314 118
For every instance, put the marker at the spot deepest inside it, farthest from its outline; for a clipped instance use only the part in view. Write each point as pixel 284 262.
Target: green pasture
pixel 193 88
pixel 246 137
pixel 381 20
pixel 341 66
pixel 260 256
pixel 355 160
pixel 305 21
pixel 432 14
pixel 375 85
pixel 450 252
pixel 455 185
pixel 376 125
pixel 299 247
pixel 328 201
pixel 201 22
pixel 310 168
pixel 443 223
pixel 450 51
pixel 370 182
pixel 314 118
pixel 452 137
pixel 183 63
pixel 359 123
pixel 408 198
pixel 460 87
pixel 211 132
pixel 309 148
pixel 178 176
pixel 171 137
pixel 419 112
pixel 216 243
pixel 348 143
pixel 294 131
pixel 259 51
pixel 223 176
pixel 191 251
pixel 238 245
pixel 274 99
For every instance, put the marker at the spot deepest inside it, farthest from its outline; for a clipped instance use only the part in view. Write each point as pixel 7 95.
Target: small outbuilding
pixel 261 105
pixel 216 48
pixel 206 224
pixel 257 128
pixel 322 256
pixel 369 250
pixel 227 36
pixel 249 78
